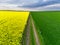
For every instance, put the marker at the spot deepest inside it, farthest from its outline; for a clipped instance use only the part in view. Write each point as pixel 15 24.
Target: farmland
pixel 38 28
pixel 12 24
pixel 48 26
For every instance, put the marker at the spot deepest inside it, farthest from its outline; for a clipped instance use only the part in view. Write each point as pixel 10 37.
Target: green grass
pixel 32 38
pixel 49 26
pixel 41 40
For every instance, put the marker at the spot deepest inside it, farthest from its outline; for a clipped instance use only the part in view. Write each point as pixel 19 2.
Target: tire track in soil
pixel 35 33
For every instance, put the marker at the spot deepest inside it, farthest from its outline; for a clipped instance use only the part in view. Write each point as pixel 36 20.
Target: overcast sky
pixel 30 4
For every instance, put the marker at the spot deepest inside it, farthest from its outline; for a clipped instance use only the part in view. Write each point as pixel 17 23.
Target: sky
pixel 30 4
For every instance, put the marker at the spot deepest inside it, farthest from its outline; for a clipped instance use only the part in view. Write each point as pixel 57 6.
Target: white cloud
pixel 49 7
pixel 28 2
pixel 20 2
pixel 15 7
pixel 7 5
pixel 2 1
pixel 45 0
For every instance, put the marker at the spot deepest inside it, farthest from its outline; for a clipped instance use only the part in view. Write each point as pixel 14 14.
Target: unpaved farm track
pixel 35 33
pixel 26 34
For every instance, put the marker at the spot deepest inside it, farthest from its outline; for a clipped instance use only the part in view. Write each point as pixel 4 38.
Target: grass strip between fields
pixel 32 38
pixel 39 34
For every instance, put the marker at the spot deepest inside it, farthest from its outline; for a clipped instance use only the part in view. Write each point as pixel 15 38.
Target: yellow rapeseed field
pixel 12 24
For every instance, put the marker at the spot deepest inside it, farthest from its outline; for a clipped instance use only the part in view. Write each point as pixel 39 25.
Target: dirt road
pixel 35 33
pixel 28 32
pixel 27 36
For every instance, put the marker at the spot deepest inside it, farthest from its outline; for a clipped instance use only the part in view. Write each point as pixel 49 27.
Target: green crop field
pixel 48 25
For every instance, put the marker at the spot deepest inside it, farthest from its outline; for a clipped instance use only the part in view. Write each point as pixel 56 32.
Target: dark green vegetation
pixel 24 37
pixel 48 25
